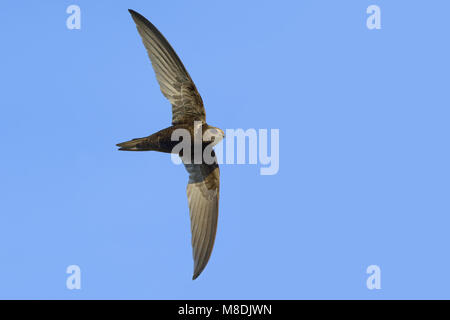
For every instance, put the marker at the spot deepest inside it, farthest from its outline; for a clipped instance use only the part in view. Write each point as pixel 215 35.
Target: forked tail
pixel 139 144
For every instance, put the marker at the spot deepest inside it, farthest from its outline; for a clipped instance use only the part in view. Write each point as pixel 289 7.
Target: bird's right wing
pixel 174 81
pixel 203 198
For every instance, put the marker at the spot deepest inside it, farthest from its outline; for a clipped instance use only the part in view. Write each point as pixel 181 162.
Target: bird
pixel 188 113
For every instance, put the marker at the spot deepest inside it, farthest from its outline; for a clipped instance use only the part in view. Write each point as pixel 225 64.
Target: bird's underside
pixel 164 140
pixel 160 141
pixel 187 108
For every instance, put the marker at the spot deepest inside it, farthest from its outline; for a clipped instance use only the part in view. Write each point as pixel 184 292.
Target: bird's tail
pixel 139 144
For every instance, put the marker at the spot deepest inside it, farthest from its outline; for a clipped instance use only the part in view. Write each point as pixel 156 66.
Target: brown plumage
pixel 187 112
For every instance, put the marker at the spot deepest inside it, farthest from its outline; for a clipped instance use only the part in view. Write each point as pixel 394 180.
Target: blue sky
pixel 364 158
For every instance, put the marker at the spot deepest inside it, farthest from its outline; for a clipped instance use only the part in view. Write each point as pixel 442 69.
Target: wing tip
pixel 198 269
pixel 196 274
pixel 135 14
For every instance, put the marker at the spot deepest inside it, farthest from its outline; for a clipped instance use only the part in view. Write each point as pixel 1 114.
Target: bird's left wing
pixel 174 80
pixel 203 198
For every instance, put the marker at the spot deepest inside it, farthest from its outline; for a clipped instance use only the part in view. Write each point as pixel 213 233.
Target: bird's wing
pixel 203 198
pixel 174 81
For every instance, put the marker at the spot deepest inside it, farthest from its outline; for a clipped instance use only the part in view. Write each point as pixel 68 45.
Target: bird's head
pixel 214 135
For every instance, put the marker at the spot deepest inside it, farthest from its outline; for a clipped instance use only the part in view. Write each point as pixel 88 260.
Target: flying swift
pixel 188 113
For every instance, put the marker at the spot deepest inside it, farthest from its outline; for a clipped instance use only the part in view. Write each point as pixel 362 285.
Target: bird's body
pixel 163 141
pixel 188 116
